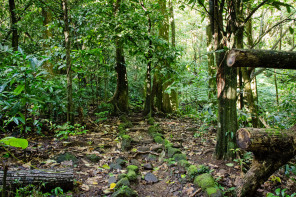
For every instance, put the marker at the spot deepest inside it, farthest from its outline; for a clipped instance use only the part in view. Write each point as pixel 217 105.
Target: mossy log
pixel 272 149
pixel 261 58
pixel 53 178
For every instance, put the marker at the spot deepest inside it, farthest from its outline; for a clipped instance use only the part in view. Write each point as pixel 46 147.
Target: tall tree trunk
pixel 247 81
pixel 120 98
pixel 47 18
pixel 14 21
pixel 226 83
pixel 162 99
pixel 148 101
pixel 174 92
pixel 211 66
pixel 70 111
pixel 164 34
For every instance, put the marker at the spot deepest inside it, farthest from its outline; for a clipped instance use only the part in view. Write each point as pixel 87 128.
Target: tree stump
pixel 272 149
pixel 62 178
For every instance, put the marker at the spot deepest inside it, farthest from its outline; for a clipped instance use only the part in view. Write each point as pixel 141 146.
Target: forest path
pixel 98 159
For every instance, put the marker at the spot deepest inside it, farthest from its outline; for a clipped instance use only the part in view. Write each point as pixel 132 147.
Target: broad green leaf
pixel 230 164
pixel 19 89
pixel 15 142
pixel 290 29
pixel 105 166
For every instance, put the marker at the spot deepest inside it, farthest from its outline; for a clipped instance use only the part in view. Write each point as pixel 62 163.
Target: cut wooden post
pixel 62 178
pixel 272 149
pixel 261 58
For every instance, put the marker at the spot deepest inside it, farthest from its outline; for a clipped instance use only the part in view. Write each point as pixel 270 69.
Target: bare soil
pixel 195 139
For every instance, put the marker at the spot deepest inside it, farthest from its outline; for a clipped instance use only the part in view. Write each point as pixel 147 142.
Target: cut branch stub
pixel 266 142
pixel 261 58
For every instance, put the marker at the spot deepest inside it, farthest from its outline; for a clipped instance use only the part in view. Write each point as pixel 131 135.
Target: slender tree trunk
pixel 211 66
pixel 120 98
pixel 174 92
pixel 70 115
pixel 121 94
pixel 148 101
pixel 47 18
pixel 14 21
pixel 275 77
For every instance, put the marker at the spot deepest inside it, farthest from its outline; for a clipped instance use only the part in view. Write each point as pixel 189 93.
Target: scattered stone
pixel 192 171
pixel 121 176
pixel 122 182
pixel 151 178
pixel 204 181
pixel 112 179
pixel 126 142
pixel 148 166
pixel 120 161
pixel 151 157
pixel 154 129
pixel 131 175
pixel 135 162
pixel 179 157
pixel 156 147
pixel 158 139
pixel 93 158
pixel 213 192
pixel 125 192
pixel 143 148
pixel 172 151
pixel 66 157
pixel 184 163
pixel 133 168
pixel 115 166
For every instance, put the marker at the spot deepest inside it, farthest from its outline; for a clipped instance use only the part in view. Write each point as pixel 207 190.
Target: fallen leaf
pixel 85 187
pixel 112 185
pixel 230 164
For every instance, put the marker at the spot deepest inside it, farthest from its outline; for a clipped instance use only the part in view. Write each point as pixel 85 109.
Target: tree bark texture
pixel 53 178
pixel 272 149
pixel 164 34
pixel 120 98
pixel 14 21
pixel 70 111
pixel 47 18
pixel 148 101
pixel 227 113
pixel 250 99
pixel 211 66
pixel 174 92
pixel 226 80
pixel 261 58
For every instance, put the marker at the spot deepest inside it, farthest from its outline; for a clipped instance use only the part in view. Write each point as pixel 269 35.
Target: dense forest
pixel 147 98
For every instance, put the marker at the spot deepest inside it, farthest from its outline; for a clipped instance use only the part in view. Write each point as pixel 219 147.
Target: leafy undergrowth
pixel 98 159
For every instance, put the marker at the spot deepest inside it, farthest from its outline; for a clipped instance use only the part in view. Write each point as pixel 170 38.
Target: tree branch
pixel 254 10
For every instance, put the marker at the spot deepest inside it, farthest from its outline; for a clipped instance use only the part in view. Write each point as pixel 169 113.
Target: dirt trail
pixel 94 176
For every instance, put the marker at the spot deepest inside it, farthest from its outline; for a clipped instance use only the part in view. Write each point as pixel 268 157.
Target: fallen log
pixel 261 58
pixel 62 178
pixel 272 149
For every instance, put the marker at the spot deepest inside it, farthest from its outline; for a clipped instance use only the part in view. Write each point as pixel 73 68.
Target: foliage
pixel 280 193
pixel 34 191
pixel 65 130
pixel 15 142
